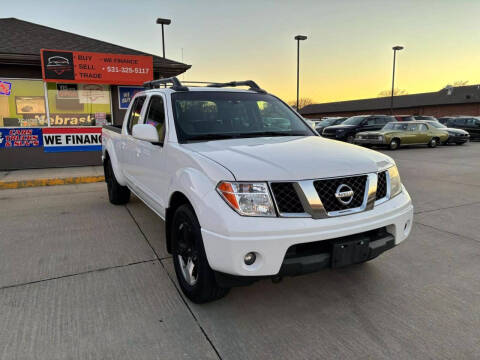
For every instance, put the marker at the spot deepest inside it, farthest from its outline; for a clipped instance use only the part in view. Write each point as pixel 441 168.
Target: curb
pixel 4 185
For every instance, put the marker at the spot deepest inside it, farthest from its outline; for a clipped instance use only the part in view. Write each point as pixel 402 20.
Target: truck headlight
pixel 395 182
pixel 247 198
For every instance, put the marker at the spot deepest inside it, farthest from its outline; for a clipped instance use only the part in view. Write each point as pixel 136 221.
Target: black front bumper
pixel 311 257
pixel 457 139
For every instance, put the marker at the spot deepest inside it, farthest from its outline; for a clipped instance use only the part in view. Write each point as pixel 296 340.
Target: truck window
pixel 156 115
pixel 135 113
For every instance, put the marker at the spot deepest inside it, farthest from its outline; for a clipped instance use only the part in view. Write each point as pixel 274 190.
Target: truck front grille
pixel 286 198
pixel 326 190
pixel 381 185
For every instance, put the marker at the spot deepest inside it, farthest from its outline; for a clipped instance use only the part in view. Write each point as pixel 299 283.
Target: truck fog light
pixel 250 258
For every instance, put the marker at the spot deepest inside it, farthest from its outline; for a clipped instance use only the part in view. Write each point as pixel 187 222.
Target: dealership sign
pixel 98 68
pixel 72 139
pixel 20 137
pixel 125 95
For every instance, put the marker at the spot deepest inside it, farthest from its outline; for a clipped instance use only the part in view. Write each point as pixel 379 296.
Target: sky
pixel 348 53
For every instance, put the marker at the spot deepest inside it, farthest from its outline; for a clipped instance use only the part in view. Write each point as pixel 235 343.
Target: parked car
pixel 455 136
pixel 443 120
pixel 398 134
pixel 467 123
pixel 347 130
pixel 425 117
pixel 240 199
pixel 404 117
pixel 329 122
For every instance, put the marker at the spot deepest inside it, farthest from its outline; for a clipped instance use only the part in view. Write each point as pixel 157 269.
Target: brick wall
pixel 437 111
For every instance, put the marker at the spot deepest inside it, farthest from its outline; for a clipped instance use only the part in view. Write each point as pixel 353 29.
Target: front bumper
pixel 270 238
pixel 369 141
pixel 457 139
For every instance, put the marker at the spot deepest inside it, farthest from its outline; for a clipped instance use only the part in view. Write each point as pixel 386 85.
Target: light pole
pixel 395 49
pixel 298 38
pixel 163 22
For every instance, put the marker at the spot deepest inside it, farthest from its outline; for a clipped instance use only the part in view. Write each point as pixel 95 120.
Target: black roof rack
pixel 178 86
pixel 252 84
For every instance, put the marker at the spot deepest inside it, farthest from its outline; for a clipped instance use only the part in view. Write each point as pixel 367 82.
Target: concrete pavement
pixel 15 179
pixel 83 279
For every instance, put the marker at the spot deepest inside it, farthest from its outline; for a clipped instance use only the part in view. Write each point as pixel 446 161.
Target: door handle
pixel 123 145
pixel 139 152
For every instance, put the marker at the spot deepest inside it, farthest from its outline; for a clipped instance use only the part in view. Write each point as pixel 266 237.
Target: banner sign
pixel 20 137
pixel 72 139
pixel 125 95
pixel 99 68
pixel 67 91
pixel 5 87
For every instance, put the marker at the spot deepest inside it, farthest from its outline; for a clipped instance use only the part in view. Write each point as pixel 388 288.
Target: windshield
pixel 437 125
pixel 395 126
pixel 423 117
pixel 213 115
pixel 354 120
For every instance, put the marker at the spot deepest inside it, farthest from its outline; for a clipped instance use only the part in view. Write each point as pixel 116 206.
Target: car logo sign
pixel 344 194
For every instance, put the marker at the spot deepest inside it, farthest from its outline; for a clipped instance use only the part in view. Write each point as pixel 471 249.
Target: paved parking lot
pixel 83 279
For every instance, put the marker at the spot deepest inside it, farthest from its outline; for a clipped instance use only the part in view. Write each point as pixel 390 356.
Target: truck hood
pixel 290 157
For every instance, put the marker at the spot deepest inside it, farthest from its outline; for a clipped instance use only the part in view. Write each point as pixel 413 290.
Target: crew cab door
pixel 131 167
pixel 151 157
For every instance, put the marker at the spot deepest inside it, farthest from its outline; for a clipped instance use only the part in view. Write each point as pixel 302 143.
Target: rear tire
pixel 394 144
pixel 460 143
pixel 196 278
pixel 433 143
pixel 117 194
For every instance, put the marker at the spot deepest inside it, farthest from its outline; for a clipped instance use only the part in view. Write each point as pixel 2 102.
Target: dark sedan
pixel 455 136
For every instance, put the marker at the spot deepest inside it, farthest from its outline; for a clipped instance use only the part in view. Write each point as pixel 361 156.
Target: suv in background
pixel 425 117
pixel 470 124
pixel 404 117
pixel 355 124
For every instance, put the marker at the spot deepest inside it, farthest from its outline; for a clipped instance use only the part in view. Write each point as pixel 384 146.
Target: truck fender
pixel 110 151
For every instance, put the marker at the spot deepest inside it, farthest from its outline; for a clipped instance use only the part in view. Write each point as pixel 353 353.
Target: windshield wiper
pixel 242 135
pixel 271 133
pixel 211 137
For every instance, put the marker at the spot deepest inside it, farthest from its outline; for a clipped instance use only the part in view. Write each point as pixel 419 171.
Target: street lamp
pixel 163 22
pixel 395 49
pixel 298 38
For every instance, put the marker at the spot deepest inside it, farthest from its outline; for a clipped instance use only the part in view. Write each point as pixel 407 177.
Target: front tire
pixel 117 194
pixel 433 143
pixel 394 144
pixel 196 278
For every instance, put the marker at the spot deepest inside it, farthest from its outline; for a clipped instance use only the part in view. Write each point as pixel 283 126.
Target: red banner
pixel 97 68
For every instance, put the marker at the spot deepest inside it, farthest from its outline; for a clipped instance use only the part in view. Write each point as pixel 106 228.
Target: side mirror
pixel 145 132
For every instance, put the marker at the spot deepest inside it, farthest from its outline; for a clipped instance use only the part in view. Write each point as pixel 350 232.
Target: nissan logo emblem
pixel 344 194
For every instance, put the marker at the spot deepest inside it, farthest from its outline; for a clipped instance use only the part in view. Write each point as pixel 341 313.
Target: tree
pixel 460 83
pixel 396 92
pixel 302 102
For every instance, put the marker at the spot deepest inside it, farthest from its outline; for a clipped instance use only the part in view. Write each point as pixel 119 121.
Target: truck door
pixel 130 144
pixel 151 157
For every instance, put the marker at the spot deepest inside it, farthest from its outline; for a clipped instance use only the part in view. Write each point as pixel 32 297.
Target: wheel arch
pixel 177 199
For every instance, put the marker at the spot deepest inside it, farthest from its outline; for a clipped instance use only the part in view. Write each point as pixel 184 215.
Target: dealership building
pixel 57 89
pixel 461 100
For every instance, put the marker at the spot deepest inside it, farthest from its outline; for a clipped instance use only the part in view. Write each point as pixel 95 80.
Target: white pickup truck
pixel 247 189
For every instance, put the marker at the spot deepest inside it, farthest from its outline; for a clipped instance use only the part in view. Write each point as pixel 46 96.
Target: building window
pixel 79 104
pixel 22 103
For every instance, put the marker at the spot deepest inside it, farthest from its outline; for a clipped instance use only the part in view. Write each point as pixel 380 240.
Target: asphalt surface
pixel 83 279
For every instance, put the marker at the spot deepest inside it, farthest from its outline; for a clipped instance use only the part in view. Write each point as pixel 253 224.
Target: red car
pixel 404 117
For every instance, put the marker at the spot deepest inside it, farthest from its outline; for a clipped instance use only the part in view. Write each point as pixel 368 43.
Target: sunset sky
pixel 347 55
